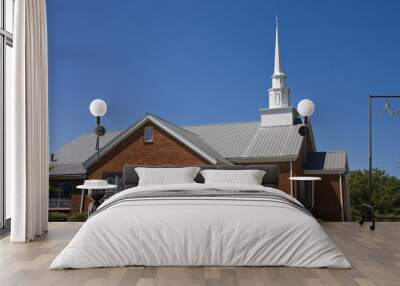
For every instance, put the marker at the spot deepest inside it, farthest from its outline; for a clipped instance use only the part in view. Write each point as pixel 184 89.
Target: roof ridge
pixel 221 123
pixel 175 125
pixel 334 151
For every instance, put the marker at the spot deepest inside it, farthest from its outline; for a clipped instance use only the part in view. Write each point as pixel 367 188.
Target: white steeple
pixel 277 66
pixel 279 93
pixel 279 113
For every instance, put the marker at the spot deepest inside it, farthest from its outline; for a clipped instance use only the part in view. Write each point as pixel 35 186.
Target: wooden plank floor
pixel 375 257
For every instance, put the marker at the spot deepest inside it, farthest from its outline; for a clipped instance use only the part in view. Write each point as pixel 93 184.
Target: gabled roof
pixel 249 142
pixel 334 162
pixel 190 140
pixel 77 156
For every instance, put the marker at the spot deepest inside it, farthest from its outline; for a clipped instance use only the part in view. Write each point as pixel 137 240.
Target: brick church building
pixel 274 139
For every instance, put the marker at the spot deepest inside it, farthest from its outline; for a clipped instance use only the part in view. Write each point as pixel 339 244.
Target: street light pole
pixel 98 136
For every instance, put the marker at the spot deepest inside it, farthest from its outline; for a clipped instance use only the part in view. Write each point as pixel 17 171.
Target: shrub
pixel 55 216
pixel 78 217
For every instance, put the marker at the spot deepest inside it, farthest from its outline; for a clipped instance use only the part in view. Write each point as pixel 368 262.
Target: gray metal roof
pixel 70 157
pixel 326 163
pixel 73 169
pixel 75 157
pixel 229 140
pixel 248 141
pixel 78 150
pixel 219 143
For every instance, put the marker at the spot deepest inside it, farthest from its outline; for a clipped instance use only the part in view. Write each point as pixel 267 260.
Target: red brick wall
pixel 284 174
pixel 327 191
pixel 76 202
pixel 284 169
pixel 163 151
pixel 328 198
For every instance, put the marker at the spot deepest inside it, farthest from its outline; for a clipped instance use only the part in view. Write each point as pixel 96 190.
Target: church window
pixel 148 134
pixel 277 98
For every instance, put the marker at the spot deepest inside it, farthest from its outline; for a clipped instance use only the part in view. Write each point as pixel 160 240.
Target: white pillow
pixel 248 177
pixel 165 176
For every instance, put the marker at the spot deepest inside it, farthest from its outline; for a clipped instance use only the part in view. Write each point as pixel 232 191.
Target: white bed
pixel 187 230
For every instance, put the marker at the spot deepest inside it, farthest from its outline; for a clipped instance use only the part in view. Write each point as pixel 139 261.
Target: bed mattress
pixel 201 225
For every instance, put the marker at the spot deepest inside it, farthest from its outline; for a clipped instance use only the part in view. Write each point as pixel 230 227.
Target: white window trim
pixel 148 140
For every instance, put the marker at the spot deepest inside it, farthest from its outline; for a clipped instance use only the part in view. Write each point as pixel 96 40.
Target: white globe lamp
pixel 306 108
pixel 98 107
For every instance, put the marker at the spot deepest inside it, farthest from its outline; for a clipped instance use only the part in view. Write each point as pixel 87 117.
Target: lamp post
pixel 98 108
pixel 306 109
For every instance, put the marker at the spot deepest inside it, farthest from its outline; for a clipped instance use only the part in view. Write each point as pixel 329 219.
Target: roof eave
pixel 275 159
pixel 326 172
pixel 67 176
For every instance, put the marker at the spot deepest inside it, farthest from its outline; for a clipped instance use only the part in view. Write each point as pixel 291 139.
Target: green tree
pixel 385 192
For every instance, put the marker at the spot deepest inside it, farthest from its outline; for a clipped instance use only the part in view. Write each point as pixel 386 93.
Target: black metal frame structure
pixel 367 209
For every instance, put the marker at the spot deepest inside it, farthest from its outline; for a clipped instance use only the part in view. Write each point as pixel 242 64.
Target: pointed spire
pixel 277 67
pixel 278 94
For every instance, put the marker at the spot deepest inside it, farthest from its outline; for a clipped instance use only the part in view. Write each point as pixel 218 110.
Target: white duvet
pixel 200 231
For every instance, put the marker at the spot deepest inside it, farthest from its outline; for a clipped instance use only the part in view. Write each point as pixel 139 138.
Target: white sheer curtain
pixel 27 123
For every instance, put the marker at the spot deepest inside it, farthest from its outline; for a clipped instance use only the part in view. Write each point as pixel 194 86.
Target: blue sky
pixel 194 62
